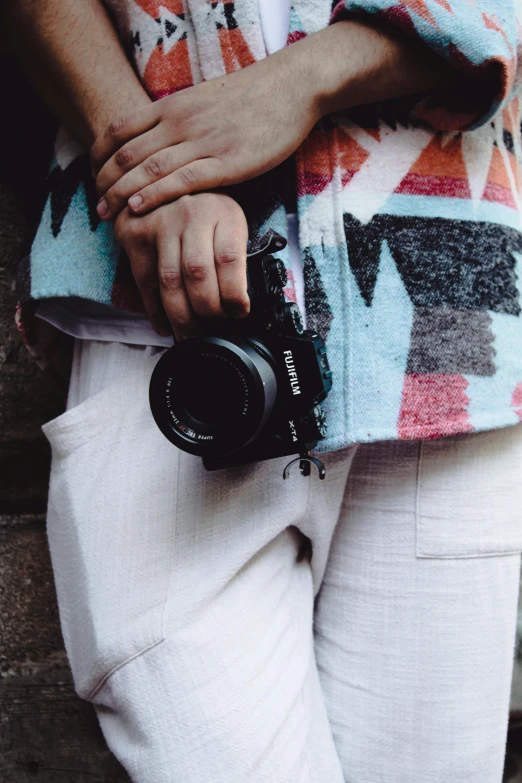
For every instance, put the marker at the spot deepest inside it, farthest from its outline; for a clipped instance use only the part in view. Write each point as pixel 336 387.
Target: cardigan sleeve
pixel 479 39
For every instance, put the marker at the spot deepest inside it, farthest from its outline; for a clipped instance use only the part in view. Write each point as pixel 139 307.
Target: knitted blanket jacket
pixel 409 213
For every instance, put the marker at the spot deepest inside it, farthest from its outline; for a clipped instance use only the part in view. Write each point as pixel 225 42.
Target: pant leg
pixel 415 620
pixel 186 613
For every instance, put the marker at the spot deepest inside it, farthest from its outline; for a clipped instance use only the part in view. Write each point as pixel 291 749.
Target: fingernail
pixel 102 208
pixel 135 202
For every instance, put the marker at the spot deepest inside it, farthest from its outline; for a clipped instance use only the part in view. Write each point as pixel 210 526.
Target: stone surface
pixel 27 398
pixel 46 732
pixel 31 638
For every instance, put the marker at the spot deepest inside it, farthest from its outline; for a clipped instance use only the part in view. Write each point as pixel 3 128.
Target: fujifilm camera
pixel 252 390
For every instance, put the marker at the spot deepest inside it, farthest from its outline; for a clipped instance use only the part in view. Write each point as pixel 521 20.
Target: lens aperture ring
pixel 210 395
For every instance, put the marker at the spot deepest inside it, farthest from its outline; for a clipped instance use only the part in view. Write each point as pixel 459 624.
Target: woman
pixel 211 645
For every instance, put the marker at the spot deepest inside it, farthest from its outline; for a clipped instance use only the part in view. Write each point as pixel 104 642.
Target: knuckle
pixel 196 269
pixel 188 207
pixel 116 127
pixel 124 157
pixel 235 300
pixel 146 279
pixel 210 308
pixel 181 321
pixel 149 282
pixel 229 255
pixel 188 177
pixel 170 278
pixel 153 167
pixel 225 149
pixel 139 231
pixel 115 195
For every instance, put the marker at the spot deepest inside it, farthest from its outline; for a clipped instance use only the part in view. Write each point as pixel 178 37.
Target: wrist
pixel 347 63
pixel 103 114
pixel 292 68
pixel 326 69
pixel 351 63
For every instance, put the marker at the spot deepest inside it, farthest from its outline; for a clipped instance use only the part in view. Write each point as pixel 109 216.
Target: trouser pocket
pixel 111 515
pixel 469 495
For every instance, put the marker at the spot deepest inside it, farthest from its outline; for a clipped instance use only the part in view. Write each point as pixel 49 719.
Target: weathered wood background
pixel 46 733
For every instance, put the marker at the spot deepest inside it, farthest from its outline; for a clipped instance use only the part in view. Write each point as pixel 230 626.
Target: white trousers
pixel 218 648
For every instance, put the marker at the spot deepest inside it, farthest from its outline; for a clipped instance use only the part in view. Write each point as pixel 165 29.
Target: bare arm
pixel 72 55
pixel 236 127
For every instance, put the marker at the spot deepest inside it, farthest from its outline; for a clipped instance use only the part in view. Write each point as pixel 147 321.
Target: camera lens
pixel 212 389
pixel 210 396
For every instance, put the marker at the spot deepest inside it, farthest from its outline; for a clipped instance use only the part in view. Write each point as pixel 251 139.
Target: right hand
pixel 189 261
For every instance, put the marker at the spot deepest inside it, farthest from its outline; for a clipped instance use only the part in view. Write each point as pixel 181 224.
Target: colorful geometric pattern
pixel 409 212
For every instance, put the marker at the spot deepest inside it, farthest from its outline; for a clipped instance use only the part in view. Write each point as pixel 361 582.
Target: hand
pixel 241 125
pixel 218 133
pixel 189 260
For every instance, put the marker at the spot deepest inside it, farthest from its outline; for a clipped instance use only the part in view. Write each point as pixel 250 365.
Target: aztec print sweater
pixel 409 213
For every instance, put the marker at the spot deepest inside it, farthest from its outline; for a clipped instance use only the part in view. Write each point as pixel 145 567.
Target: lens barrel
pixel 211 395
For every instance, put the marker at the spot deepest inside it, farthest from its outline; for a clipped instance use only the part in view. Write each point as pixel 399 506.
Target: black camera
pixel 252 390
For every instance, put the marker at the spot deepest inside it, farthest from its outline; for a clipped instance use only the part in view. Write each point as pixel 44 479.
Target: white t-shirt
pixel 92 321
pixel 275 21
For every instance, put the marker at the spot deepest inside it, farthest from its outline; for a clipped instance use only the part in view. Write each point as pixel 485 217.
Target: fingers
pixel 155 167
pixel 198 268
pixel 189 261
pixel 230 246
pixel 144 268
pixel 198 175
pixel 121 130
pixel 137 239
pixel 172 288
pixel 129 156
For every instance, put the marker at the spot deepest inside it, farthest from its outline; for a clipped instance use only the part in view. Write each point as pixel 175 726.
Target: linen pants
pixel 232 627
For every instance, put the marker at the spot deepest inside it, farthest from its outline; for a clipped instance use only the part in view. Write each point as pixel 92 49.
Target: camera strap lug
pixel 305 460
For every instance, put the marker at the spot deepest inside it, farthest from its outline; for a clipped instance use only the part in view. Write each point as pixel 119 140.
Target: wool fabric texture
pixel 409 213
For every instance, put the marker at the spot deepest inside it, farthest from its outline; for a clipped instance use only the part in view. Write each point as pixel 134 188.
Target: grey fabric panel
pixel 451 341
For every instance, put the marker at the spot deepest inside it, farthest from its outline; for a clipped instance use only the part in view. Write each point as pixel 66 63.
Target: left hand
pixel 239 126
pixel 188 259
pixel 217 133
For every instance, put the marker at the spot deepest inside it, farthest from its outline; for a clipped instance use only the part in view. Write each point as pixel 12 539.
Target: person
pixel 229 626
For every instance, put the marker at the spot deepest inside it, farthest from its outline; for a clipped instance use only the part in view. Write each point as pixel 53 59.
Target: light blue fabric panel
pixel 78 262
pixel 494 394
pixel 379 348
pixel 403 205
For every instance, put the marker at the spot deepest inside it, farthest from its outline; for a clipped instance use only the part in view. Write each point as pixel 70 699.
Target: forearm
pixel 237 126
pixel 352 63
pixel 72 55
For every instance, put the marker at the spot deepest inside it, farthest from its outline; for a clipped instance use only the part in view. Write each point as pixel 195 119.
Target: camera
pixel 252 390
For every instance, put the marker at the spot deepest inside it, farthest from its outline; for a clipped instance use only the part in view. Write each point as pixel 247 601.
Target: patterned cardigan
pixel 409 213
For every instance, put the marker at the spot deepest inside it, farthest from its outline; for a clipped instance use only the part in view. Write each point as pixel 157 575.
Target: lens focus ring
pixel 210 396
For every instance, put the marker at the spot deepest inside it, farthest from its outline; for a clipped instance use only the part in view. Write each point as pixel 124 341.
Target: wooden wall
pixel 46 733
